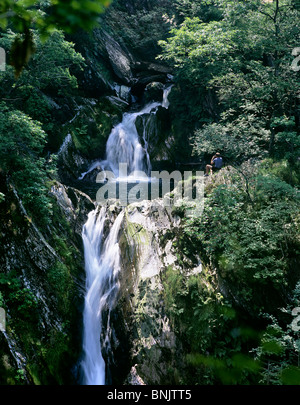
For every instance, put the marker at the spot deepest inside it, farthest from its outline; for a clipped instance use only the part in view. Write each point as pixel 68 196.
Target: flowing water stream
pixel 124 146
pixel 102 264
pixel 102 255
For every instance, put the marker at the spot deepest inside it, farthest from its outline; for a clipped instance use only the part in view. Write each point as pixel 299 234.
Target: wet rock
pixel 47 268
pixel 154 92
pixel 124 92
pixel 134 378
pixel 156 128
pixel 70 162
pixel 75 205
pixel 153 346
pixel 120 59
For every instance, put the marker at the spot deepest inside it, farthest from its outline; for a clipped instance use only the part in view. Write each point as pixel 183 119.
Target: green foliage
pixel 45 16
pixel 241 65
pixel 48 68
pixel 54 352
pixel 197 42
pixel 239 140
pixel 211 328
pixel 140 26
pixel 236 91
pixel 25 138
pixel 20 377
pixel 47 88
pixel 60 274
pixel 204 9
pixel 283 169
pixel 19 299
pixel 279 348
pixel 20 155
pixel 91 128
pixel 249 231
pixel 28 112
pixel 235 370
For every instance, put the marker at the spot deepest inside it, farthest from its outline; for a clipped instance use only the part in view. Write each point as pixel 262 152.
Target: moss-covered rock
pixel 92 125
pixel 140 320
pixel 40 282
pixel 154 92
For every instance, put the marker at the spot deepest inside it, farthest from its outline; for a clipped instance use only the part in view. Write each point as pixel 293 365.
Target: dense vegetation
pixel 39 93
pixel 236 90
pixel 27 114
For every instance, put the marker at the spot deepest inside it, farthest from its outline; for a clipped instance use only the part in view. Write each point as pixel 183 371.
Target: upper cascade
pixel 124 145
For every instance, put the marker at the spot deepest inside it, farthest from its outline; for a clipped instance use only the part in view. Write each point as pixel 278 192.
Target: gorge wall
pixel 42 272
pixel 153 353
pixel 204 299
pixel 41 279
pixel 44 290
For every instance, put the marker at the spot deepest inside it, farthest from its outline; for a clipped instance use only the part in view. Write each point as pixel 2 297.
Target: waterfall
pixel 124 146
pixel 102 267
pixel 165 102
pixel 102 256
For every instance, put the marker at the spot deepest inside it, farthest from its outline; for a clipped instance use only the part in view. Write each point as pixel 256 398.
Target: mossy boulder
pixel 154 92
pixel 156 128
pixel 92 125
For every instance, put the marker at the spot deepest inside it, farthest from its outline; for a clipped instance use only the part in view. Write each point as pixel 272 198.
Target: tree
pixel 45 16
pixel 248 232
pixel 49 66
pixel 244 59
pixel 22 141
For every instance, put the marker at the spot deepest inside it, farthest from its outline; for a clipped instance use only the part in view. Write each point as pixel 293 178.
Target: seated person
pixel 216 164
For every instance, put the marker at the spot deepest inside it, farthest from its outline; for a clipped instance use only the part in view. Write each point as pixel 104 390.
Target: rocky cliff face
pixel 146 349
pixel 41 279
pixel 121 74
pixel 155 349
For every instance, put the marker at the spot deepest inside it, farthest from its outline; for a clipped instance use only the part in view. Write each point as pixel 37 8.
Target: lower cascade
pixel 102 267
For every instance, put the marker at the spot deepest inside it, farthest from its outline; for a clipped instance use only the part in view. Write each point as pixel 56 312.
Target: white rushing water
pixel 102 255
pixel 124 146
pixel 102 265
